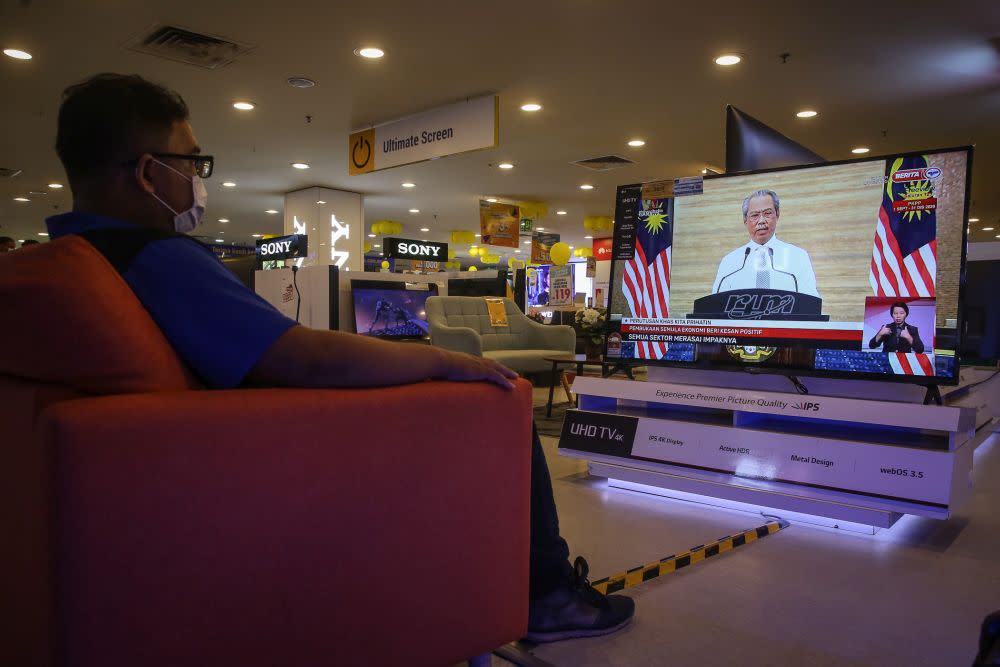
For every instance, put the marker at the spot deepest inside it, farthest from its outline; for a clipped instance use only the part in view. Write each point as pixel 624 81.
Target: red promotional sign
pixel 602 250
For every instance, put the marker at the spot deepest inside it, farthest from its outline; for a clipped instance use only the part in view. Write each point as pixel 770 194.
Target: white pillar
pixel 333 220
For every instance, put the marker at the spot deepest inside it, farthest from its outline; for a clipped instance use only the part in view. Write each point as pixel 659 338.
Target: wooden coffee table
pixel 580 361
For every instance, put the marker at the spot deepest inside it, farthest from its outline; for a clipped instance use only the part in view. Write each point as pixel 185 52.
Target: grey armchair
pixel 462 324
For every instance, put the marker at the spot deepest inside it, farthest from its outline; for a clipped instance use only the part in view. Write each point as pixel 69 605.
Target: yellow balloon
pixel 583 252
pixel 472 268
pixel 385 264
pixel 368 247
pixel 451 254
pixel 559 253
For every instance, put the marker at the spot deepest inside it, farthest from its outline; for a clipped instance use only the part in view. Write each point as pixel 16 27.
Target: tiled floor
pixel 910 596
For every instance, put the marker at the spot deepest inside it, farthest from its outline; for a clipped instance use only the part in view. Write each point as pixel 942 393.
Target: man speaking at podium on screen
pixel 765 261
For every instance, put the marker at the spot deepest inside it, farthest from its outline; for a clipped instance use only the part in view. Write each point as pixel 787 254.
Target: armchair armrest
pixel 553 337
pixel 457 339
pixel 278 525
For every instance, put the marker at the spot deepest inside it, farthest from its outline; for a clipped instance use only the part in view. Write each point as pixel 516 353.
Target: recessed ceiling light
pixel 636 143
pixel 414 210
pixel 21 199
pixel 244 106
pixel 228 184
pixel 541 229
pixel 859 150
pixel 588 237
pixel 973 219
pixel 320 202
pixel 586 186
pixel 527 243
pixel 223 219
pixel 256 236
pixel 270 211
pixel 479 236
pixel 425 229
pixel 560 212
pixel 17 54
pixel 43 233
pixel 409 185
pixel 376 246
pixel 531 106
pixel 987 229
pixel 727 59
pixel 371 52
pixel 506 165
pixel 371 236
pixel 492 200
pixel 220 240
pixel 300 82
pixel 518 250
pixel 300 165
pixel 56 186
pixel 806 113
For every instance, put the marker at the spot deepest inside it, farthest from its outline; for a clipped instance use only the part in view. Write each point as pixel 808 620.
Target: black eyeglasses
pixel 203 164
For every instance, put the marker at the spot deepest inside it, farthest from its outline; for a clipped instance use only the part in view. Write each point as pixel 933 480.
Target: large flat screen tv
pixel 848 269
pixel 391 309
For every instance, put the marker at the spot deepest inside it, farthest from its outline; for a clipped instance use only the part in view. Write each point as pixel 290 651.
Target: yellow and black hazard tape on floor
pixel 638 575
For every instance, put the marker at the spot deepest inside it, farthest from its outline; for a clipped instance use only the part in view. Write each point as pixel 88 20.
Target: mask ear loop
pixel 138 175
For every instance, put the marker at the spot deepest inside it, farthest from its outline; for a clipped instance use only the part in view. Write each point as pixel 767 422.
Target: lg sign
pixel 411 249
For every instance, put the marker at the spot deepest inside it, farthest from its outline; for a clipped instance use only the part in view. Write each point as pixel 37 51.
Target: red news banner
pixel 834 335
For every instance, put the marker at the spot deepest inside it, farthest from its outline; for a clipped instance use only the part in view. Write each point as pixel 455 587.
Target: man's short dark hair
pixel 6 239
pixel 900 304
pixel 112 118
pixel 29 242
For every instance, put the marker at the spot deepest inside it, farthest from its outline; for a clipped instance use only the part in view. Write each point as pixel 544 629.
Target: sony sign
pixel 411 249
pixel 282 247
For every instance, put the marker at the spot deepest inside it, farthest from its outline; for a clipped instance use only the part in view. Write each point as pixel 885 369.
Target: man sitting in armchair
pixel 136 172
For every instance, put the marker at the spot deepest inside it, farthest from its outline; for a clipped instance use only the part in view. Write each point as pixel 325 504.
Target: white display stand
pixel 861 460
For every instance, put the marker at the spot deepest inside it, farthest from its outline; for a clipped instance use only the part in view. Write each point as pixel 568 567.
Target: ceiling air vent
pixel 6 172
pixel 606 163
pixel 189 47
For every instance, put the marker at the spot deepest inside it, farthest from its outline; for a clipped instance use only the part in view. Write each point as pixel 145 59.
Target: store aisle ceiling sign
pixel 456 128
pixel 412 249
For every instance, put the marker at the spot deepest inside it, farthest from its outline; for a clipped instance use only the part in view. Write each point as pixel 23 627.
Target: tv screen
pixel 537 286
pixel 846 269
pixel 389 309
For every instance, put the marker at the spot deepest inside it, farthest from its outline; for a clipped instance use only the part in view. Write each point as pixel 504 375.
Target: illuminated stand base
pixel 865 456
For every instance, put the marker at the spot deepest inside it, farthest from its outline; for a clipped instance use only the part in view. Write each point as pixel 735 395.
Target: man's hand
pixel 461 367
pixel 905 335
pixel 883 332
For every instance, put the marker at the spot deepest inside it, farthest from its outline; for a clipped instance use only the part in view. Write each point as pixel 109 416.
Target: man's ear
pixel 142 174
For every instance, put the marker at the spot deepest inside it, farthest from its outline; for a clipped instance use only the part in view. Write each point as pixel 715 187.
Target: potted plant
pixel 590 325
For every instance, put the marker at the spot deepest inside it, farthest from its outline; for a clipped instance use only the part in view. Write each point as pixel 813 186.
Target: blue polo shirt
pixel 218 326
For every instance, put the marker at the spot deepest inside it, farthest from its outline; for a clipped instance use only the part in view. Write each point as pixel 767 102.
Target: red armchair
pixel 147 521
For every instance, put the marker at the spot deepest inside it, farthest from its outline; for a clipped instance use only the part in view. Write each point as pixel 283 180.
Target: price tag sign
pixel 561 286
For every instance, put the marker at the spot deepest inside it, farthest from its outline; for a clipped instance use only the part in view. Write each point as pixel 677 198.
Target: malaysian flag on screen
pixel 904 253
pixel 911 363
pixel 647 274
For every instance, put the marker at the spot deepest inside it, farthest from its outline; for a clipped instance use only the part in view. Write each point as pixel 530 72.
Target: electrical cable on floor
pixel 298 295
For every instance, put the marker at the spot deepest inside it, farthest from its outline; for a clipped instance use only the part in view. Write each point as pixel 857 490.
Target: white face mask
pixel 185 221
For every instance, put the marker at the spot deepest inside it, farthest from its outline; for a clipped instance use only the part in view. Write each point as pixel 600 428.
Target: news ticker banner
pixel 456 128
pixel 900 473
pixel 837 335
